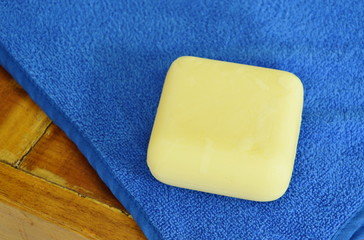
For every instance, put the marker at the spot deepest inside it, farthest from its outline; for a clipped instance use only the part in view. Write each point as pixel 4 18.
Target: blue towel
pixel 97 69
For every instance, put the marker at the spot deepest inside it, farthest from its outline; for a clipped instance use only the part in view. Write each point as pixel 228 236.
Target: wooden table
pixel 48 190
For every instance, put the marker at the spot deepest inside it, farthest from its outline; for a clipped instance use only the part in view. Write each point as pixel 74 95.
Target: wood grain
pixel 66 208
pixel 22 122
pixel 16 224
pixel 57 159
pixel 48 190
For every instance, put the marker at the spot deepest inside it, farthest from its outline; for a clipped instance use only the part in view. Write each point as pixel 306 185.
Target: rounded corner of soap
pixel 181 59
pixel 278 194
pixel 296 80
pixel 153 168
pixel 275 184
pixel 273 195
pixel 177 62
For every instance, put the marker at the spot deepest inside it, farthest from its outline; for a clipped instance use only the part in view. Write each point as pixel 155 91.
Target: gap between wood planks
pixel 22 158
pixel 18 162
pixel 64 207
pixel 68 189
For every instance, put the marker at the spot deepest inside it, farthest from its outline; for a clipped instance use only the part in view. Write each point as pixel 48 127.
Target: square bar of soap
pixel 226 128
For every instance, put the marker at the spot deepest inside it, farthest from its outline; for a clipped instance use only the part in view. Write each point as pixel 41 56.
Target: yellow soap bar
pixel 226 128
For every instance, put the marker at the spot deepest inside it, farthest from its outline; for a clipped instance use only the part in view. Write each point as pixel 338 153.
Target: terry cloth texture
pixel 97 69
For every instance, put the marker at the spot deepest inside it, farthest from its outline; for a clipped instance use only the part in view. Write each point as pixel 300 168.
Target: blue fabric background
pixel 97 69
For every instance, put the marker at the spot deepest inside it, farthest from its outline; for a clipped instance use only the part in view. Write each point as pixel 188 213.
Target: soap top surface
pixel 226 128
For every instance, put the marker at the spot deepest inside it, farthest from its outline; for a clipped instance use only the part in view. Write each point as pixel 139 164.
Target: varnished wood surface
pixel 66 208
pixel 57 159
pixel 44 176
pixel 17 224
pixel 22 122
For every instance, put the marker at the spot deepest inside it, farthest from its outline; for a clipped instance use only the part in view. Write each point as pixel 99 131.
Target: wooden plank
pixel 66 208
pixel 22 122
pixel 16 224
pixel 56 158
